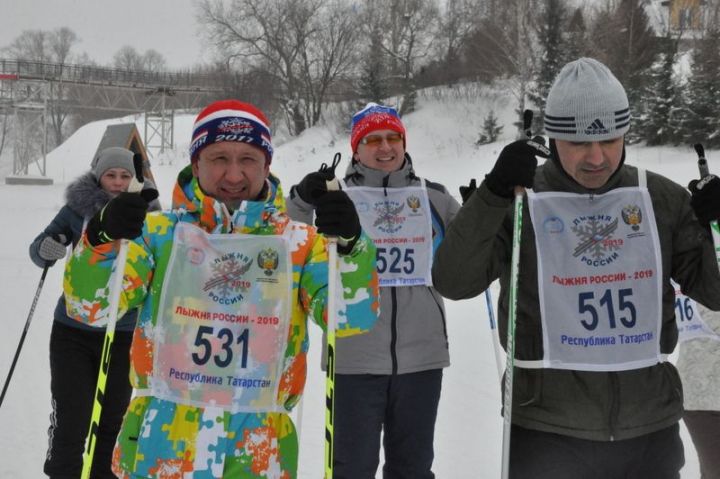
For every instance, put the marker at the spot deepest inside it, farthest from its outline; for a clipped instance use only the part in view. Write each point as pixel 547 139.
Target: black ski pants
pixel 704 429
pixel 543 455
pixel 74 363
pixel 404 407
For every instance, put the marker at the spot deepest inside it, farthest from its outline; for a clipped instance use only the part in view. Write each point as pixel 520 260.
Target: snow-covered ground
pixel 441 138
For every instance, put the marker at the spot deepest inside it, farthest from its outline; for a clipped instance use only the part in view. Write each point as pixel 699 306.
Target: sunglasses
pixel 376 140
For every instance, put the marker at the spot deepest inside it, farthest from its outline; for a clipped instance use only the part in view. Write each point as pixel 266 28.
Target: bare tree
pixel 60 44
pixel 330 55
pixel 456 25
pixel 153 61
pixel 30 45
pixel 505 45
pixel 4 129
pixel 128 58
pixel 305 44
pixel 624 40
pixel 407 29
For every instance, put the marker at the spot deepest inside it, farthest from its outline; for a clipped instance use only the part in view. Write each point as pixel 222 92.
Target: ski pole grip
pixel 702 161
pixel 527 122
pixel 136 184
pixel 526 133
pixel 333 185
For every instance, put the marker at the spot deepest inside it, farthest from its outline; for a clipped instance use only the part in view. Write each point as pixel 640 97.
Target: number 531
pixel 225 355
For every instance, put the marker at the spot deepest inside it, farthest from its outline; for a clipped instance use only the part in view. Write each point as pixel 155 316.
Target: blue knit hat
pixel 231 120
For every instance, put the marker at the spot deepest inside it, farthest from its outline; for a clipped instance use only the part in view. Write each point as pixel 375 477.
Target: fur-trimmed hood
pixel 85 196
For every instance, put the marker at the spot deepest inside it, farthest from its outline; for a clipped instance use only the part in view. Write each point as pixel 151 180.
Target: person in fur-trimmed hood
pixel 76 348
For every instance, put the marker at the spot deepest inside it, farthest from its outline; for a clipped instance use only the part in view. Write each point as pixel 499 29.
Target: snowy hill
pixel 441 136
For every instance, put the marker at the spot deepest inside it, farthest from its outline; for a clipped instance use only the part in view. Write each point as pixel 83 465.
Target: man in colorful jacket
pixel 226 283
pixel 593 395
pixel 397 367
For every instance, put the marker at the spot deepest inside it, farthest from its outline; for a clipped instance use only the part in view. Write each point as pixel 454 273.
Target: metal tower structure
pixel 30 92
pixel 26 104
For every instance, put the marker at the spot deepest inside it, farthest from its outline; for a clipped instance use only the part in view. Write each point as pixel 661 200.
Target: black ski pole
pixel 24 333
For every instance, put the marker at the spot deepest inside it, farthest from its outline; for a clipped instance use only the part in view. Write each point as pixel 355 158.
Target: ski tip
pixel 699 150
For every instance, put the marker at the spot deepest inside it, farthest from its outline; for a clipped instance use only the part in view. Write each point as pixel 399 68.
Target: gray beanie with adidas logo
pixel 586 103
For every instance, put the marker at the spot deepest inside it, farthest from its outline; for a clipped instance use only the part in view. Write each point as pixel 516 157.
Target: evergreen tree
pixel 624 40
pixel 653 115
pixel 491 130
pixel 372 84
pixel 550 28
pixel 703 92
pixel 576 37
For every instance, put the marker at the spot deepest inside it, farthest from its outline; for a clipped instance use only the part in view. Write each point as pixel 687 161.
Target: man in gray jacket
pixel 390 380
pixel 593 396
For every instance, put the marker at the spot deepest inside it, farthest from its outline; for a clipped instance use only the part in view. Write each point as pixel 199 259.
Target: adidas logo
pixel 596 128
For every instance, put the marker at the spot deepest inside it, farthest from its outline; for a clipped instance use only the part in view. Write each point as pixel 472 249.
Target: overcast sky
pixel 104 26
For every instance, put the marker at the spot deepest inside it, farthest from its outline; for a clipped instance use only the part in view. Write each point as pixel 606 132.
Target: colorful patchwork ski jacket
pixel 161 438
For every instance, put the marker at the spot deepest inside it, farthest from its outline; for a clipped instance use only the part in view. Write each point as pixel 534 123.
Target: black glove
pixel 122 217
pixel 52 248
pixel 705 198
pixel 466 191
pixel 516 166
pixel 314 185
pixel 335 215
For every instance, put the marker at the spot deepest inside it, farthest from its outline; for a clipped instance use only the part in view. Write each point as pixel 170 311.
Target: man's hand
pixel 516 166
pixel 335 215
pixel 122 217
pixel 313 186
pixel 705 198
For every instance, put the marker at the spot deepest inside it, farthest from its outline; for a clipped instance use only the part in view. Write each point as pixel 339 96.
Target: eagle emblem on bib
pixel 268 260
pixel 632 216
pixel 414 203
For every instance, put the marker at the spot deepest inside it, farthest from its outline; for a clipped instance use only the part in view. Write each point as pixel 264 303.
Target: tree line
pixel 294 57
